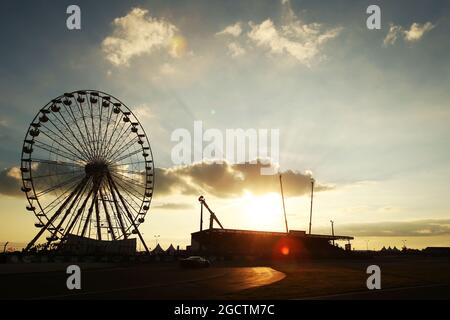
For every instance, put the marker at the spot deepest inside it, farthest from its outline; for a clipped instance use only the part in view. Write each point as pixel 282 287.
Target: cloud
pixel 392 35
pixel 235 50
pixel 136 34
pixel 173 206
pixel 234 30
pixel 415 228
pixel 413 34
pixel 292 37
pixel 229 180
pixel 143 112
pixel 10 182
pixel 218 179
pixel 301 41
pixel 167 69
pixel 45 175
pixel 417 30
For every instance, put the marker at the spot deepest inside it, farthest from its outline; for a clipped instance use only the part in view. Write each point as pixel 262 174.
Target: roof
pixel 158 249
pixel 294 233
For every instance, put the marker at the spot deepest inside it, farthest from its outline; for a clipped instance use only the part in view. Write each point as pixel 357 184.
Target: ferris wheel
pixel 87 169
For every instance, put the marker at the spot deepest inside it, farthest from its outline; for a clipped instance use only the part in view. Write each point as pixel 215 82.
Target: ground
pixel 401 278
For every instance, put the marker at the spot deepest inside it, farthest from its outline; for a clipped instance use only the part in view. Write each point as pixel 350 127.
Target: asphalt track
pixel 137 282
pixel 425 292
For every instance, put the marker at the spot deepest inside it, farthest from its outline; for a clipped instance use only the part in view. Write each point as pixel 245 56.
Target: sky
pixel 365 112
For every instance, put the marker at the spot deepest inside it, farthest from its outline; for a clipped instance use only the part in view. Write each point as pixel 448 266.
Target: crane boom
pixel 212 216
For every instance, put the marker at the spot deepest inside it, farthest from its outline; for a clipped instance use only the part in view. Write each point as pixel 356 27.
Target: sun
pixel 262 212
pixel 178 46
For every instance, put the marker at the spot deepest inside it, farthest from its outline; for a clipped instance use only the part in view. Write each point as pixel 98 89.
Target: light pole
pixel 404 244
pixel 310 211
pixel 367 245
pixel 332 229
pixel 140 244
pixel 4 247
pixel 284 207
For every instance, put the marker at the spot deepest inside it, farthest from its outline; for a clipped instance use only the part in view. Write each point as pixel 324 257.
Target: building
pixel 229 243
pixel 78 245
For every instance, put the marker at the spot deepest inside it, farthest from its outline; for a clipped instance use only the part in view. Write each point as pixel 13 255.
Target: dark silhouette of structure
pixel 87 170
pixel 262 244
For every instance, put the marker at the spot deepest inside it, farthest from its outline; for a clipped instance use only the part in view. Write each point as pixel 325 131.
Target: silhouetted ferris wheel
pixel 87 169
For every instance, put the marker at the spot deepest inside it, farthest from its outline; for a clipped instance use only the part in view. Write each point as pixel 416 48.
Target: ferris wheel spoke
pixel 60 185
pixel 128 155
pixel 122 147
pixel 49 148
pixel 130 182
pixel 100 112
pixel 116 134
pixel 83 117
pixel 81 145
pixel 129 171
pixel 62 136
pixel 130 193
pixel 105 133
pixel 55 174
pixel 129 163
pixel 64 124
pixel 109 141
pixel 59 141
pixel 117 143
pixel 129 205
pixel 85 140
pixel 84 143
pixel 94 139
pixel 57 163
pixel 128 179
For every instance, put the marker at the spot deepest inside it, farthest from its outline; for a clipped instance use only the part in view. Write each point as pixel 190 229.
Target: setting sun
pixel 264 212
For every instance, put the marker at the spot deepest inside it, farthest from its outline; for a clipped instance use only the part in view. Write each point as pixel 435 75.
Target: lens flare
pixel 178 46
pixel 285 250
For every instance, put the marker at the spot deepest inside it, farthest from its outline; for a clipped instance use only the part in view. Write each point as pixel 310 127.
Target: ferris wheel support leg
pixel 91 207
pixel 119 215
pixel 108 217
pixel 97 217
pixel 79 212
pixel 57 213
pixel 55 232
pixel 130 217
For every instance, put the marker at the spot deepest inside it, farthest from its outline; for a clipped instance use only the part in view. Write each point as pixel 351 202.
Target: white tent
pixel 158 250
pixel 171 250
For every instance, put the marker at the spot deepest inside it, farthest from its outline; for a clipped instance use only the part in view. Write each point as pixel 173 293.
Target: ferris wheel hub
pixel 96 168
